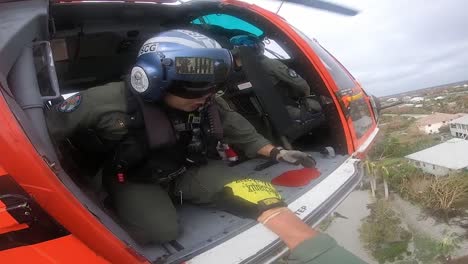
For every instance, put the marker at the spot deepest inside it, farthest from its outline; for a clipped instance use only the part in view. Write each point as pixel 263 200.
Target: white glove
pixel 293 157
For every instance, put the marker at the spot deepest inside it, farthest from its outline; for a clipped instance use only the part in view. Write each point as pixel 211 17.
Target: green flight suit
pixel 287 81
pixel 321 249
pixel 101 108
pixel 147 209
pixel 293 89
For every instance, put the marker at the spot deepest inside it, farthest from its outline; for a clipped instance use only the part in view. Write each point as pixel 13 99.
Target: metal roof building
pixel 438 118
pixel 442 159
pixel 432 123
pixel 459 127
pixel 461 120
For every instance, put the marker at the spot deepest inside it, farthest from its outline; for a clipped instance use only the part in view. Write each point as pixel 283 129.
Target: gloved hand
pixel 293 157
pixel 249 198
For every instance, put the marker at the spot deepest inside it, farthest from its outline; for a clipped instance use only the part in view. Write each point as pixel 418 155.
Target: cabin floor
pixel 201 226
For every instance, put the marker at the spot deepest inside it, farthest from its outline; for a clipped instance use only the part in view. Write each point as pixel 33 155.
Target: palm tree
pixel 375 170
pixel 384 176
pixel 370 171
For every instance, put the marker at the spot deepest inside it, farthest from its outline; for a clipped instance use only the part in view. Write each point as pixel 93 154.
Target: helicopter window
pixel 228 22
pixel 341 77
pixel 274 51
pixel 359 109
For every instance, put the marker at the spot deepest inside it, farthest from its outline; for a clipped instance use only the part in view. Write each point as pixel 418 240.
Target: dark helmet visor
pixel 190 90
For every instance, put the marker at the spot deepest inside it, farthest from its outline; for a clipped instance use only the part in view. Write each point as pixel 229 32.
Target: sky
pixel 391 46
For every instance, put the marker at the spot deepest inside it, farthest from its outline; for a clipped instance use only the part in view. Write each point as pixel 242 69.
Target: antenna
pixel 279 8
pixel 323 5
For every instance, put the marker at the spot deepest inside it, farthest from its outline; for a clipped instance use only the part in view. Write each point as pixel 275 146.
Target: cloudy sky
pixel 391 46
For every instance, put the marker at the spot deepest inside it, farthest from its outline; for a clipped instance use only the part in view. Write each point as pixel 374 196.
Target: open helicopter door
pixel 355 104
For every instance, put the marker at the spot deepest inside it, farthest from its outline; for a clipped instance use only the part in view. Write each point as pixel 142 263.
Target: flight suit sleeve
pixel 63 119
pixel 238 131
pixel 322 249
pixel 280 72
pixel 100 108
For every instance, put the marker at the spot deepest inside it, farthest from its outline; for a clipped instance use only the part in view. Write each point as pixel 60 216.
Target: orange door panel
pixel 61 213
pixel 66 249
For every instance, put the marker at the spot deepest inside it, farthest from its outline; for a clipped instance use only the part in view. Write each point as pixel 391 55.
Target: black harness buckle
pixel 172 175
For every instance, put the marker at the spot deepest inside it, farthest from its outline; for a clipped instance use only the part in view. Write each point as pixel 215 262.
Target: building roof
pixel 461 120
pixel 417 99
pixel 450 154
pixel 437 118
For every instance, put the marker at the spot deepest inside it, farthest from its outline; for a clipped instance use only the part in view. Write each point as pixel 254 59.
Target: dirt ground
pixel 346 231
pixel 418 221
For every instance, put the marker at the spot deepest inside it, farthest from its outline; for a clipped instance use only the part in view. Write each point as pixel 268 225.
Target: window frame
pixel 343 79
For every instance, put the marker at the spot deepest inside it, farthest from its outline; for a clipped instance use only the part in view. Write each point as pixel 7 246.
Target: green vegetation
pixel 386 119
pixel 425 248
pixel 392 146
pixel 388 242
pixel 323 226
pixel 397 123
pixel 386 161
pixel 428 250
pixel 445 196
pixel 444 129
pixel 382 234
pixel 451 104
pixel 408 110
pixel 391 252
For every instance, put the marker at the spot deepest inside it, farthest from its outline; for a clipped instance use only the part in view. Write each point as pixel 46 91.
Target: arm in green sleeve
pixel 239 132
pixel 86 112
pixel 322 249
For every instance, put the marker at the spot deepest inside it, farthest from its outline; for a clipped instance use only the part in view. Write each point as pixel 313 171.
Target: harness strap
pixel 159 130
pixel 214 120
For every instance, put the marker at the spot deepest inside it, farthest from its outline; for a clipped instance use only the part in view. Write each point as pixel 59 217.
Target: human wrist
pixel 265 150
pixel 269 214
pixel 290 229
pixel 274 152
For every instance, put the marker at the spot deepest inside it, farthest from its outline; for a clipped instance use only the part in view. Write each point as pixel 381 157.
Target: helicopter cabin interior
pixel 96 43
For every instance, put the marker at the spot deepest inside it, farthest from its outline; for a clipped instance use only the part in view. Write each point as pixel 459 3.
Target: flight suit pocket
pixel 113 126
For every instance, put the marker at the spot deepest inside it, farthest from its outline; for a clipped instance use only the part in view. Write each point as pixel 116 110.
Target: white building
pixel 431 123
pixel 459 127
pixel 406 99
pixel 405 105
pixel 439 98
pixel 393 100
pixel 416 99
pixel 442 159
